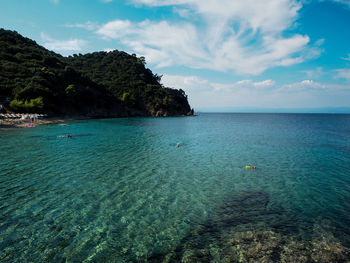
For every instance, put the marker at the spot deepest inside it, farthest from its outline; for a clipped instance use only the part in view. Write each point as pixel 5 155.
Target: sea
pixel 217 187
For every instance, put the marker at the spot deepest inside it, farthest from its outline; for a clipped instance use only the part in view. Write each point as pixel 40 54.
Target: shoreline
pixel 6 124
pixel 14 124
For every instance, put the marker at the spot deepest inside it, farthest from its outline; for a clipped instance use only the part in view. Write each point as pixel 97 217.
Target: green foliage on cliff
pixel 127 78
pixel 29 71
pixel 100 81
pixel 33 105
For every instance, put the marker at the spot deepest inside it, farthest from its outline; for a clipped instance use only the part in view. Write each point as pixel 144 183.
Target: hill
pixel 127 79
pixel 98 84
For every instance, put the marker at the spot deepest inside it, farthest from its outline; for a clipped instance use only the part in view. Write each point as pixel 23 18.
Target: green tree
pixel 125 96
pixel 71 90
pixel 33 105
pixel 165 101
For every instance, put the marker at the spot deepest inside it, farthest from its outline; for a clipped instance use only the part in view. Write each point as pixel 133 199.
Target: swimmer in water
pixel 65 136
pixel 178 145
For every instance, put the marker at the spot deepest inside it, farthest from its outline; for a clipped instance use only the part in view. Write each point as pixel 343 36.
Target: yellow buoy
pixel 247 167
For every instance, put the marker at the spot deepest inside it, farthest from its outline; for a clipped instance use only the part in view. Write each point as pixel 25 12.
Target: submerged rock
pixel 240 209
pixel 266 246
pixel 244 229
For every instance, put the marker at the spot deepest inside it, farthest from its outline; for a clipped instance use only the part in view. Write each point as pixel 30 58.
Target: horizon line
pixel 326 110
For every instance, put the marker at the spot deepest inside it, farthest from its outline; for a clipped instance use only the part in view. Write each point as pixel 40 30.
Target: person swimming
pixel 65 136
pixel 76 135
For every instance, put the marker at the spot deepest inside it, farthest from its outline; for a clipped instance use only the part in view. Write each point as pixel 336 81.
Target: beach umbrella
pixel 24 117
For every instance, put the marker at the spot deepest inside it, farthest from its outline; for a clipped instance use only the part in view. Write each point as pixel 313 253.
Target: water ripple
pixel 121 191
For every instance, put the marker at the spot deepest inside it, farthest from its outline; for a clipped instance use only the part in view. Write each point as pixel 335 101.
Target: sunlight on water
pixel 120 190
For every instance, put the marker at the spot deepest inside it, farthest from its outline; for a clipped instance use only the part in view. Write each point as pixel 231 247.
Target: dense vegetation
pixel 101 83
pixel 127 79
pixel 30 73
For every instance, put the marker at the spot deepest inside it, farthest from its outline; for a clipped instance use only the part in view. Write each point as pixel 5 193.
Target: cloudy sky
pixel 226 54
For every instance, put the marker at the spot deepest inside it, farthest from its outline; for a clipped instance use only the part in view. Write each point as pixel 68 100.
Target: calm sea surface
pixel 120 190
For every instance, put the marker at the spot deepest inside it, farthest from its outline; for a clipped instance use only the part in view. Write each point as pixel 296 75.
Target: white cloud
pixel 314 73
pixel 266 15
pixel 62 45
pixel 343 74
pixel 244 36
pixel 88 25
pixel 185 13
pixel 320 42
pixel 305 85
pixel 161 43
pixel 115 29
pixel 187 83
pixel 345 2
pixel 204 94
pixel 264 84
pixel 197 84
pixel 347 58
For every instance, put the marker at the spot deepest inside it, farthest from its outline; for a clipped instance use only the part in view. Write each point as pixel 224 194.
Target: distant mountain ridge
pixel 100 84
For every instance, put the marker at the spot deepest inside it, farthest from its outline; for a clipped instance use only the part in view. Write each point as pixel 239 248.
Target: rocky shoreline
pixel 10 124
pixel 17 123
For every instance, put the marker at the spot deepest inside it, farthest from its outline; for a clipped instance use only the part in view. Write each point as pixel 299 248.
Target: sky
pixel 227 55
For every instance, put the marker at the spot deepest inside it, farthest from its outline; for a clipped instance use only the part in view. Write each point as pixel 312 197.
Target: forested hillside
pixel 127 79
pixel 98 84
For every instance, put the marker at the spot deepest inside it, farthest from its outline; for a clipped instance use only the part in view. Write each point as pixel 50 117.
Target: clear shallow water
pixel 121 191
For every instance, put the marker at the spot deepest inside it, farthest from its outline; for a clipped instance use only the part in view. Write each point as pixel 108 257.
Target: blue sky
pixel 227 55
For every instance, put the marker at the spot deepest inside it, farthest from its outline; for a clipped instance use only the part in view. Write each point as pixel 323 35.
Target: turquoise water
pixel 120 190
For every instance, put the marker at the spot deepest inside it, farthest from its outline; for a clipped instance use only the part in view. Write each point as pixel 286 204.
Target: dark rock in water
pixel 244 229
pixel 241 209
pixel 247 200
pixel 244 208
pixel 251 207
pixel 190 113
pixel 209 241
